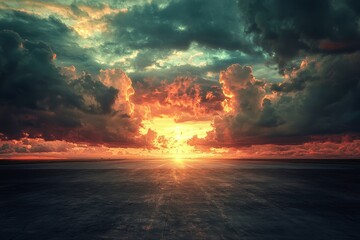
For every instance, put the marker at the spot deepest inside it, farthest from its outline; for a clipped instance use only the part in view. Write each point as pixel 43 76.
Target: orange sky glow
pixel 171 127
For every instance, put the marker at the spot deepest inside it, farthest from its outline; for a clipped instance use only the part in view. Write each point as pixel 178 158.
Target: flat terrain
pixel 166 199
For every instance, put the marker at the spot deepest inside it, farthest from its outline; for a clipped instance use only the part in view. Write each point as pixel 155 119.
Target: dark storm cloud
pixel 28 76
pixel 37 101
pixel 104 97
pixel 178 23
pixel 288 29
pixel 325 103
pixel 63 40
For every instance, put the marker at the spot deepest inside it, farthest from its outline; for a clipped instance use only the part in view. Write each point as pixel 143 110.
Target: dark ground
pixel 162 199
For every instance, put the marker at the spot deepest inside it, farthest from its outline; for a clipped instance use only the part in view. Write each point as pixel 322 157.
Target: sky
pixel 179 79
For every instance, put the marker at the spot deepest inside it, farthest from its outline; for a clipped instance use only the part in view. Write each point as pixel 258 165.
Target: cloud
pixel 156 38
pixel 313 149
pixel 320 98
pixel 91 36
pixel 116 78
pixel 326 101
pixel 51 30
pixel 184 98
pixel 289 29
pixel 35 145
pixel 36 100
pixel 178 23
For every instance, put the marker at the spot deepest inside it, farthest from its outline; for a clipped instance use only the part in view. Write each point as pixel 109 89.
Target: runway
pixel 180 199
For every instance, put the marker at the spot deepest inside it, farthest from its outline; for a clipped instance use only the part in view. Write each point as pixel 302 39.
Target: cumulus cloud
pixel 118 79
pixel 326 103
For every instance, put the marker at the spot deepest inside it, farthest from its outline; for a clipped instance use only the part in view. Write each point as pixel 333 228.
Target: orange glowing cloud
pixel 30 148
pixel 118 79
pixel 185 98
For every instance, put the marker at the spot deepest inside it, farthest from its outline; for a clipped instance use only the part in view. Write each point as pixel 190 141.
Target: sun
pixel 175 136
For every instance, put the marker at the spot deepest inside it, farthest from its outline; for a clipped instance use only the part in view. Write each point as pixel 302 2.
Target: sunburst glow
pixel 172 136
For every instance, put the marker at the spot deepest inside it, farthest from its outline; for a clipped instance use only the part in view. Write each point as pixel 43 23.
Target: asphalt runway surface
pixel 190 199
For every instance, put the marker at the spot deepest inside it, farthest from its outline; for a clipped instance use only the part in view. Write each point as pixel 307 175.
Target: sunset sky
pixel 179 79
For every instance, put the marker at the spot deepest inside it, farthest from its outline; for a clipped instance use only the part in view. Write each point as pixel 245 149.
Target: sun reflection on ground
pixel 178 162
